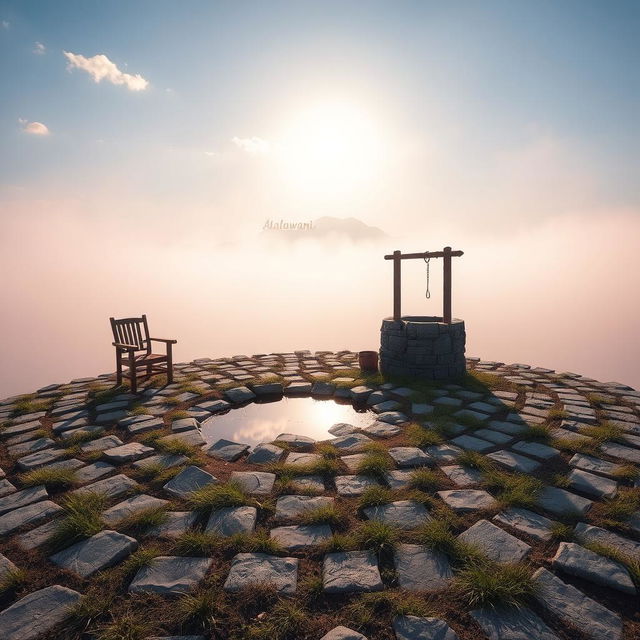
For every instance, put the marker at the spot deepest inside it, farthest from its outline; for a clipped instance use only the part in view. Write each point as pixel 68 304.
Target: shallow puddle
pixel 264 422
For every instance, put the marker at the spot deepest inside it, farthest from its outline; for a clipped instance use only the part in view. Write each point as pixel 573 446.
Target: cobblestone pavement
pixel 523 467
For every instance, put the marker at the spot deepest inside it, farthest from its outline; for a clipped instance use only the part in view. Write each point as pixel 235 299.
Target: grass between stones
pixel 423 437
pixel 513 489
pixel 82 519
pixel 630 562
pixel 375 464
pixel 617 511
pixel 604 432
pixel 375 496
pixel 140 522
pixel 474 460
pixel 12 581
pixel 497 585
pixel 218 496
pixel 329 514
pixel 53 479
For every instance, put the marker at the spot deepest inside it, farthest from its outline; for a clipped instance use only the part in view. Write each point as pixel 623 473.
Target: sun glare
pixel 330 149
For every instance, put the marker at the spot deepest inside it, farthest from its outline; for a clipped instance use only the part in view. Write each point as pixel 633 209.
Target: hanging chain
pixel 427 292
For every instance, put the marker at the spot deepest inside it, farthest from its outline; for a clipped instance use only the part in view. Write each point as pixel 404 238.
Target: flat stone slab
pixel 6 567
pixel 410 457
pixel 193 438
pixel 393 417
pixel 313 482
pixel 353 486
pixel 110 487
pixel 490 435
pixel 472 443
pixel 127 453
pixel 101 444
pixel 184 424
pixel 591 484
pixel 593 465
pixel 616 450
pixel 536 450
pixel 6 488
pixel 90 429
pixel 495 542
pixel 467 500
pixel 249 569
pixel 578 561
pixel 387 405
pixel 585 533
pixel 290 507
pixel 169 575
pixel 573 608
pixel 420 569
pixel 560 502
pixel 510 428
pixel 351 443
pixel 351 571
pixel 533 524
pixel 31 446
pixel 303 459
pixel 130 507
pixel 404 514
pixel 40 458
pixel 415 628
pixel 93 471
pixel 229 521
pixel 37 613
pixel 163 460
pixel 512 624
pixel 31 514
pixel 381 429
pixel 342 429
pixel 296 442
pixel 444 452
pixel 23 498
pixel 266 453
pixel 240 395
pixel 462 476
pixel 300 537
pixel 399 478
pixel 257 483
pixel 514 461
pixel 227 450
pixel 177 523
pixel 343 633
pixel 104 549
pixel 188 481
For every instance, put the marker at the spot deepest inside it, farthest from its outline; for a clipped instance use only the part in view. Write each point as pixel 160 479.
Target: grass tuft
pixel 375 464
pixel 83 519
pixel 142 521
pixel 424 480
pixel 377 536
pixel 475 460
pixel 497 585
pixel 53 479
pixel 328 514
pixel 436 535
pixel 12 581
pixel 618 510
pixel 514 489
pixel 422 437
pixel 218 496
pixel 374 497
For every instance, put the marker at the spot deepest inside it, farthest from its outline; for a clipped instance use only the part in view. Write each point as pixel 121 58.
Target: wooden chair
pixel 131 336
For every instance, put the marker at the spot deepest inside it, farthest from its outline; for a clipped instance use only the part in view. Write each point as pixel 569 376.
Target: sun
pixel 330 149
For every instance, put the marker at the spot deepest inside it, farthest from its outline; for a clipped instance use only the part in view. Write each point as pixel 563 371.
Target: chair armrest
pixel 163 340
pixel 128 347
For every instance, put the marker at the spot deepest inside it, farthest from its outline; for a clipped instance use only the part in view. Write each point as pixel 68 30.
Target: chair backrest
pixel 134 331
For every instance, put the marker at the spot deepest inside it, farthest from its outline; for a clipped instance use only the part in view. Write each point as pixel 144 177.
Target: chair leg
pixel 118 368
pixel 169 364
pixel 133 374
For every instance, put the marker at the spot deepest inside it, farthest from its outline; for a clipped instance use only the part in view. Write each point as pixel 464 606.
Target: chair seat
pixel 145 358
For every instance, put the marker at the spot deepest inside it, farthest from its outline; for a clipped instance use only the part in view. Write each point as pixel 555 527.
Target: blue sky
pixel 493 71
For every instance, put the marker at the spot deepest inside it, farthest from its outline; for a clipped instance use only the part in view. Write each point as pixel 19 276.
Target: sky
pixel 143 145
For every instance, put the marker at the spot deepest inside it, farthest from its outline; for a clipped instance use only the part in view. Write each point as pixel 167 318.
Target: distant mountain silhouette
pixel 323 228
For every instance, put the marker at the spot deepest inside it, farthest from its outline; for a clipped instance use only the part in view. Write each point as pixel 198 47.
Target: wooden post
pixel 397 293
pixel 446 298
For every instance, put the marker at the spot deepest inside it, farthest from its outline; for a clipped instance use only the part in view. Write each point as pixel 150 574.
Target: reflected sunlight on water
pixel 264 422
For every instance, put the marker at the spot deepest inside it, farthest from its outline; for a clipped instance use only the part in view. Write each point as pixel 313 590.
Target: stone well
pixel 422 347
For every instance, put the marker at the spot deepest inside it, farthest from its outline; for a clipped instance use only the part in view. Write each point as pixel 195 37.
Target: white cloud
pixel 210 153
pixel 99 67
pixel 5 24
pixel 39 48
pixel 34 128
pixel 255 146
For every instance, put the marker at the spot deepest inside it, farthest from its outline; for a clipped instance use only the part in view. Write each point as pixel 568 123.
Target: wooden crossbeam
pixel 397 256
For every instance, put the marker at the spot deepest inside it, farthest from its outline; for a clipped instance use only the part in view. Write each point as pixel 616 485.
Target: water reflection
pixel 264 422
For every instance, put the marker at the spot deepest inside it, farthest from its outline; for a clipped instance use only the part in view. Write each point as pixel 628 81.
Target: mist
pixel 560 294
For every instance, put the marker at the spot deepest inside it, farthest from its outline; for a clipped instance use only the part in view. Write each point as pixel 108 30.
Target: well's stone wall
pixel 422 346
